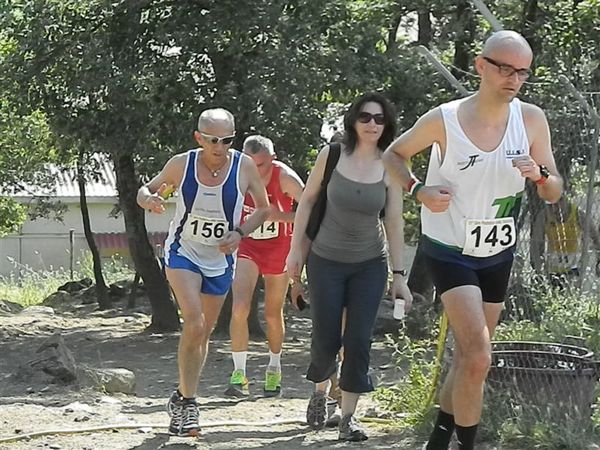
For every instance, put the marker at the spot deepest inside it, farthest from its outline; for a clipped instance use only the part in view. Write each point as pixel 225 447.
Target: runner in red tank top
pixel 269 244
pixel 264 253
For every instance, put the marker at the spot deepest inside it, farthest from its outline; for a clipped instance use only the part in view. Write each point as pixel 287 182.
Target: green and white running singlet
pixel 486 189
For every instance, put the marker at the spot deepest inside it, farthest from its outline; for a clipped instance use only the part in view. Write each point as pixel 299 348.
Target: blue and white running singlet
pixel 203 215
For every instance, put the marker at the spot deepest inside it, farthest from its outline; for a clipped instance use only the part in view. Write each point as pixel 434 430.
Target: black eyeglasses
pixel 366 117
pixel 506 70
pixel 226 140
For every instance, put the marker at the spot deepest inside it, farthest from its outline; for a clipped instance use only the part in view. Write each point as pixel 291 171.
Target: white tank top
pixel 203 214
pixel 485 185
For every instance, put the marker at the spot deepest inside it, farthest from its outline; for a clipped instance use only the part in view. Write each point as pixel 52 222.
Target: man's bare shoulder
pixel 432 119
pixel 534 120
pixel 248 168
pixel 429 127
pixel 434 114
pixel 289 181
pixel 283 166
pixel 532 112
pixel 178 161
pixel 285 169
pixel 246 162
pixel 180 157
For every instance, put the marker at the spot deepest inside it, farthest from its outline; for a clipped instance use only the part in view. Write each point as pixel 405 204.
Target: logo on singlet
pixel 514 153
pixel 470 162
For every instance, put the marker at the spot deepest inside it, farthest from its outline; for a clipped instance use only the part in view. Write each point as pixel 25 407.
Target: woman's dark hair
pixel 351 116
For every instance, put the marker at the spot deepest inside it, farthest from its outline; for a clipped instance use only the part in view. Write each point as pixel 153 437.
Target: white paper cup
pixel 399 305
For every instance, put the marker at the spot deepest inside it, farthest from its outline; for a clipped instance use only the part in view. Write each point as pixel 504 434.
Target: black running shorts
pixel 492 280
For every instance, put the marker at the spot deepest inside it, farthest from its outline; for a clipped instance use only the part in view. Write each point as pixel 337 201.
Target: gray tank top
pixel 351 231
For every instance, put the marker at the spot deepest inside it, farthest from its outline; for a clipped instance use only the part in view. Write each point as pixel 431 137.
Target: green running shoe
pixel 272 386
pixel 238 385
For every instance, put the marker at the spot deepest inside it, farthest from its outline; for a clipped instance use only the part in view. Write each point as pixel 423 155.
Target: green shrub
pixel 32 286
pixel 409 397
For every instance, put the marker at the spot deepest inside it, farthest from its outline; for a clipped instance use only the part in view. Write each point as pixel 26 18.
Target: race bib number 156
pixel 204 230
pixel 489 237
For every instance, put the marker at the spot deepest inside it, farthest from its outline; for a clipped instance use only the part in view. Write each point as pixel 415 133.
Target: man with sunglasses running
pixel 263 252
pixel 484 149
pixel 204 235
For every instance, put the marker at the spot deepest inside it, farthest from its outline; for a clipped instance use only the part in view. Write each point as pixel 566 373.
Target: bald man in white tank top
pixel 484 149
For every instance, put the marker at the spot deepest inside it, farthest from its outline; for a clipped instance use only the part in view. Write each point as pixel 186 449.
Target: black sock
pixel 442 432
pixel 185 399
pixel 466 437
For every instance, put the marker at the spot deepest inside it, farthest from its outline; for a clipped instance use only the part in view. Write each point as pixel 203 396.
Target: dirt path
pixel 117 339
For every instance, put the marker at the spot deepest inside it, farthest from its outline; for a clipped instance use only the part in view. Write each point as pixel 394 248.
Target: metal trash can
pixel 545 374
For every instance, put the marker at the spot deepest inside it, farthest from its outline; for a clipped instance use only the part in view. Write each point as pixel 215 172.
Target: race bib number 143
pixel 489 237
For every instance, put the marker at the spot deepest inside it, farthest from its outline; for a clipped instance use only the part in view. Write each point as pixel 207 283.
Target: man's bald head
pixel 506 40
pixel 216 116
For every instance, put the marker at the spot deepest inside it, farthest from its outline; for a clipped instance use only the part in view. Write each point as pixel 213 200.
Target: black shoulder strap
pixel 332 158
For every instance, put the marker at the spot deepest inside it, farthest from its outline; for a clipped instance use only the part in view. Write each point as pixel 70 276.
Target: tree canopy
pixel 129 78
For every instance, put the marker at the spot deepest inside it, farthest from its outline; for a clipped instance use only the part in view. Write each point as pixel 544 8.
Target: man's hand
pixel 528 167
pixel 275 214
pixel 156 202
pixel 230 242
pixel 435 198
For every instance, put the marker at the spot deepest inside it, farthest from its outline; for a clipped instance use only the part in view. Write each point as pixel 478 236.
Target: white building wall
pixel 44 244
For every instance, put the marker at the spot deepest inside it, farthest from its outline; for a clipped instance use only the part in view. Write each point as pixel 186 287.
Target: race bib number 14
pixel 489 237
pixel 268 230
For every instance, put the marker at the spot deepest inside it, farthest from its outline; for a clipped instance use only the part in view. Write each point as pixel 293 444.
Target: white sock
pixel 275 360
pixel 239 361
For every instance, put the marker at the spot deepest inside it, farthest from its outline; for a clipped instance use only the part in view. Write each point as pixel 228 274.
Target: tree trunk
pixel 134 289
pixel 537 237
pixel 101 288
pixel 254 327
pixel 530 24
pixel 393 32
pixel 464 38
pixel 425 27
pixel 420 280
pixel 164 313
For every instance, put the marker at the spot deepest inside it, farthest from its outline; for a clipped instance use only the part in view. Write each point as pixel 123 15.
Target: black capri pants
pixel 333 286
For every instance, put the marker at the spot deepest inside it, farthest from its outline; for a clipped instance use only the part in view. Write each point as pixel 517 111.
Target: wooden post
pixel 71 251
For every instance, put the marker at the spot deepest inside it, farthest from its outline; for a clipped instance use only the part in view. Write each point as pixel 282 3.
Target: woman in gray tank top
pixel 347 263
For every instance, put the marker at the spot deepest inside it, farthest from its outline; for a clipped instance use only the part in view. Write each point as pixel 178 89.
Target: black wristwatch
pixel 239 231
pixel 544 174
pixel 399 272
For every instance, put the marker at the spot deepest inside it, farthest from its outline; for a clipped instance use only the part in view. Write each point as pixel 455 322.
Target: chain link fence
pixel 543 380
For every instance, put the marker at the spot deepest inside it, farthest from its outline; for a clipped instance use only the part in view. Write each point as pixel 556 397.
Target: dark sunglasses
pixel 226 140
pixel 506 70
pixel 366 117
